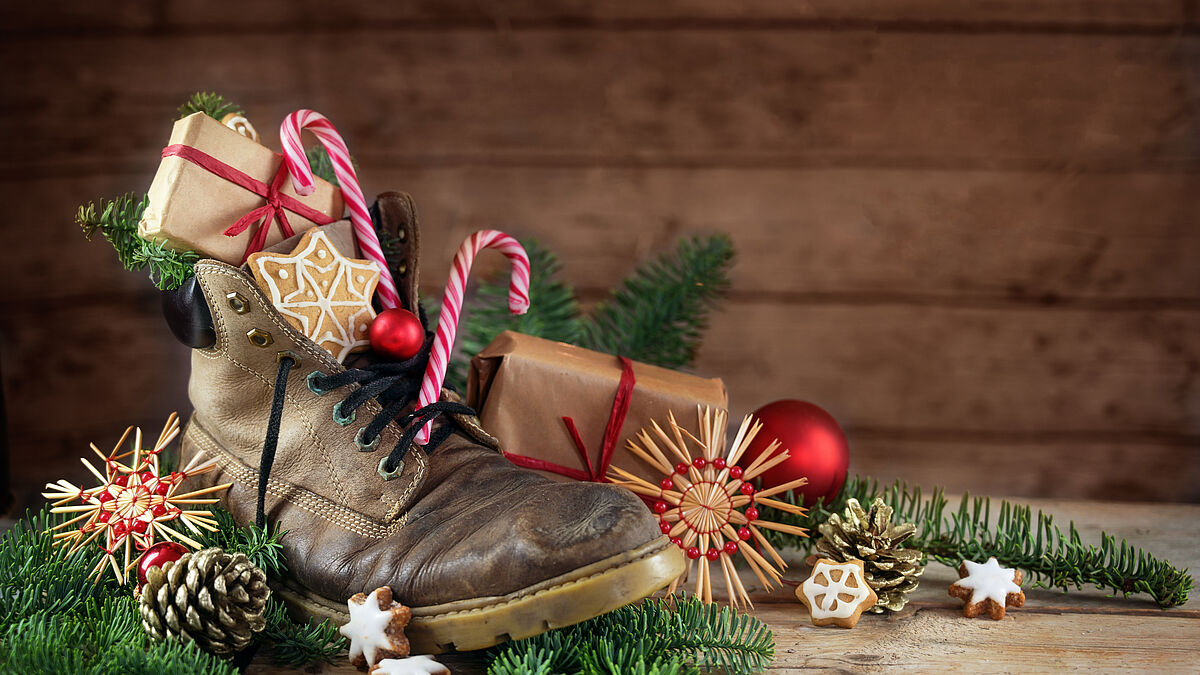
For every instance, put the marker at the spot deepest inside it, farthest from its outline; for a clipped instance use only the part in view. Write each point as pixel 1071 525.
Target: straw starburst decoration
pixel 707 504
pixel 131 507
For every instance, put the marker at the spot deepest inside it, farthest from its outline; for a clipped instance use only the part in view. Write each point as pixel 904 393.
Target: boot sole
pixel 466 625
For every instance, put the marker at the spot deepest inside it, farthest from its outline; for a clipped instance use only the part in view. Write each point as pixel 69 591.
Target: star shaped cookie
pixel 376 628
pixel 987 588
pixel 321 292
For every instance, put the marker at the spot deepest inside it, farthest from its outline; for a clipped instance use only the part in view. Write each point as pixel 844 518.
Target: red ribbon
pixel 612 432
pixel 274 210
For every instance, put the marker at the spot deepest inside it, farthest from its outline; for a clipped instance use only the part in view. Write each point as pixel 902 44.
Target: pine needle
pixel 1018 538
pixel 212 104
pixel 117 219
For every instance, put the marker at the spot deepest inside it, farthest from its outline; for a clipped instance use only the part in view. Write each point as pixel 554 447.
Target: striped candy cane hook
pixel 302 181
pixel 443 342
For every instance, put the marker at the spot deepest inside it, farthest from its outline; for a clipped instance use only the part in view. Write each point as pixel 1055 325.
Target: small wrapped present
pixel 567 411
pixel 224 196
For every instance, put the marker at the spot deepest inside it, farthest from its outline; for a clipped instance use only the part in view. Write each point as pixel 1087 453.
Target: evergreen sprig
pixel 678 635
pixel 1017 538
pixel 117 219
pixel 300 644
pixel 657 316
pixel 210 103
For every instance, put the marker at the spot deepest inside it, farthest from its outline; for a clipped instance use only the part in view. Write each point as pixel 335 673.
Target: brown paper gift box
pixel 190 208
pixel 522 387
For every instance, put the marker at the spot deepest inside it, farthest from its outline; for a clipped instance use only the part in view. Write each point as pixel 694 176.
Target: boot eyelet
pixel 344 421
pixel 237 302
pixel 363 446
pixel 289 354
pixel 388 475
pixel 259 337
pixel 312 383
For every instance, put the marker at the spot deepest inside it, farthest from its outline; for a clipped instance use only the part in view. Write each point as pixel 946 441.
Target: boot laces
pixel 393 385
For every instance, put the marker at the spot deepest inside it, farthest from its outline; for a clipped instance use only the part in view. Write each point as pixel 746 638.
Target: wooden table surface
pixel 1053 631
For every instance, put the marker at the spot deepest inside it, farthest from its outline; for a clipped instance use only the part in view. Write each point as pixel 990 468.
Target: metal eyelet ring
pixel 259 337
pixel 237 302
pixel 312 383
pixel 388 475
pixel 363 446
pixel 343 420
pixel 289 354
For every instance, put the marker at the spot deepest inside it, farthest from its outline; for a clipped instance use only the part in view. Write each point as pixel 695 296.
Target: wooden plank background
pixel 969 230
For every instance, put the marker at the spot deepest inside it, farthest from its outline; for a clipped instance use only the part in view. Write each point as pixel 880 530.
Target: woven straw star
pixel 321 292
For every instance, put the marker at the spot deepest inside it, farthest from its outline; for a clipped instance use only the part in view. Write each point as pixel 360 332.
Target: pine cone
pixel 891 570
pixel 210 597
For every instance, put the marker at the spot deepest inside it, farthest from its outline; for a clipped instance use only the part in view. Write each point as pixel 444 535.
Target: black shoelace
pixel 393 385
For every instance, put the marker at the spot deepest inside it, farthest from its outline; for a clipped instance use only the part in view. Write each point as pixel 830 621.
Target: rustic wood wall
pixel 969 230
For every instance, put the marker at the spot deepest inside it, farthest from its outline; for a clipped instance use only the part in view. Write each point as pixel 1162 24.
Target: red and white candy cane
pixel 302 181
pixel 518 303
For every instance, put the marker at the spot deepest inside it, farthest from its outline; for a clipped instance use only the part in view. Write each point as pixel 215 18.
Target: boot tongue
pixel 395 216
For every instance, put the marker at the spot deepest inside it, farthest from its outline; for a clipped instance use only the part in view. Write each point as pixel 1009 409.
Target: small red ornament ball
pixel 397 334
pixel 816 446
pixel 158 555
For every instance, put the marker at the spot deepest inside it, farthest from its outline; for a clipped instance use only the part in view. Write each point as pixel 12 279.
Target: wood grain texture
pixel 1083 630
pixel 751 98
pixel 968 229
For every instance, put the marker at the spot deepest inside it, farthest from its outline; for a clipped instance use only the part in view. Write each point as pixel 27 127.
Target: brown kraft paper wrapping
pixel 522 387
pixel 190 207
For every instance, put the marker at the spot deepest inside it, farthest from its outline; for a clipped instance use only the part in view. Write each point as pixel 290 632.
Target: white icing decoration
pixel 283 274
pixel 366 628
pixel 989 581
pixel 830 605
pixel 413 665
pixel 311 303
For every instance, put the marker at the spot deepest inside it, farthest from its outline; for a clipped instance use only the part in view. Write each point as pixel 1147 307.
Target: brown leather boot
pixel 481 550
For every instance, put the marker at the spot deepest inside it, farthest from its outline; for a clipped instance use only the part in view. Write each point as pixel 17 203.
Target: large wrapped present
pixel 568 412
pixel 225 196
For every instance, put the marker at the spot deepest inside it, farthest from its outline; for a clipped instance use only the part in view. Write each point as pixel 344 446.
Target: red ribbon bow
pixel 616 420
pixel 275 210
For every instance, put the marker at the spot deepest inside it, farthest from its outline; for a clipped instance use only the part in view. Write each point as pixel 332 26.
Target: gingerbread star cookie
pixel 376 628
pixel 987 588
pixel 836 593
pixel 324 294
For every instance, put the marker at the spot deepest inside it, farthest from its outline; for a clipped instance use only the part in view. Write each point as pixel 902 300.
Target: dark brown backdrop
pixel 969 230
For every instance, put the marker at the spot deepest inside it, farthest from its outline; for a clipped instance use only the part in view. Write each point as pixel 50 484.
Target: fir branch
pixel 677 635
pixel 212 104
pixel 261 546
pixel 322 164
pixel 553 311
pixel 300 644
pixel 117 219
pixel 660 313
pixel 1018 538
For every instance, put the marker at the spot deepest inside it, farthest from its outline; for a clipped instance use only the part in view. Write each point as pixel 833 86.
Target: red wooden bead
pixel 161 489
pixel 664 527
pixel 677 541
pixel 719 463
pixel 147 477
pixel 744 533
pixel 681 468
pixel 666 484
pixel 699 462
pixel 104 516
pixel 735 472
pixel 121 480
pixel 139 526
pixel 731 547
pixel 751 513
pixel 713 554
pixel 747 489
pixel 104 497
pixel 158 510
pixel 693 552
pixel 661 507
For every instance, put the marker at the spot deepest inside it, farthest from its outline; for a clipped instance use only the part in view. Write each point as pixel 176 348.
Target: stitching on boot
pixel 315 504
pixel 320 355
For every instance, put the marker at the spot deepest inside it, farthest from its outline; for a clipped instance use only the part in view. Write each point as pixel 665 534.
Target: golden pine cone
pixel 892 571
pixel 210 597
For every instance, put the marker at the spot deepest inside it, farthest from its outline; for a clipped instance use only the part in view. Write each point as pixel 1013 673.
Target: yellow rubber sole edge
pixel 566 600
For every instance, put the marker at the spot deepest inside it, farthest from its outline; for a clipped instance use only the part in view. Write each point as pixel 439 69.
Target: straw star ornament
pixel 129 511
pixel 707 503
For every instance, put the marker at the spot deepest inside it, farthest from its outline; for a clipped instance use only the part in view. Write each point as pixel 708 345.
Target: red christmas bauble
pixel 816 446
pixel 397 334
pixel 158 555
